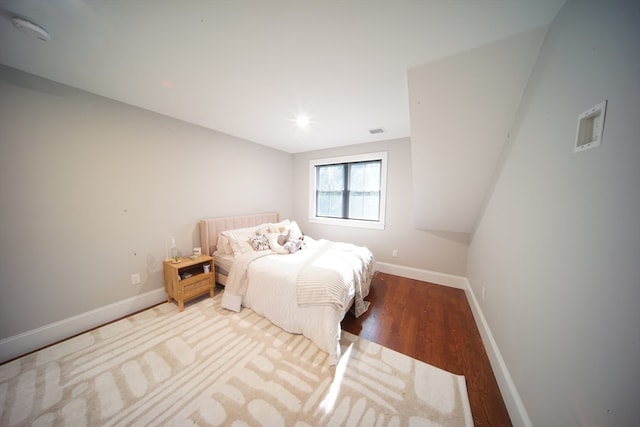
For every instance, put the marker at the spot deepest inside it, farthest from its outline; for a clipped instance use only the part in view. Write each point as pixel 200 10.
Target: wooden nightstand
pixel 187 279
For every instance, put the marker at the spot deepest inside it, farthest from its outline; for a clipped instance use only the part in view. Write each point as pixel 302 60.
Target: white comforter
pixel 291 290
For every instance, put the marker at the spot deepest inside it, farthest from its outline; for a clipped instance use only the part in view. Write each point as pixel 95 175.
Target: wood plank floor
pixel 434 324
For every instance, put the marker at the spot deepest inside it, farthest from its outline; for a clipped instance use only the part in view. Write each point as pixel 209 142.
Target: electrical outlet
pixel 483 291
pixel 135 279
pixel 395 252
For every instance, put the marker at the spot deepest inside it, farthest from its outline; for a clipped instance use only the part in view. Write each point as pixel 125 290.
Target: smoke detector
pixel 28 27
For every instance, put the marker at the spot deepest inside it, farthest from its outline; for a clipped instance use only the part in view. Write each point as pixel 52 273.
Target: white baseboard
pixel 26 342
pixel 423 275
pixel 515 406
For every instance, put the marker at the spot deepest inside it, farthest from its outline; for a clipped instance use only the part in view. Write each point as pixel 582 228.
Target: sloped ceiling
pixel 247 68
pixel 462 109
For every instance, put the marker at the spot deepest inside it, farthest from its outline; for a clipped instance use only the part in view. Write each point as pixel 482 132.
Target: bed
pixel 305 292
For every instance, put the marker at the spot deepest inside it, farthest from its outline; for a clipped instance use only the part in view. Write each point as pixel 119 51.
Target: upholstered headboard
pixel 211 227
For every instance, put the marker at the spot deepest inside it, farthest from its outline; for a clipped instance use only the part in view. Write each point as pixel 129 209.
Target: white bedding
pixel 268 284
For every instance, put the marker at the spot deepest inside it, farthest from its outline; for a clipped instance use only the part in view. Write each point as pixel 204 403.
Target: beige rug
pixel 208 366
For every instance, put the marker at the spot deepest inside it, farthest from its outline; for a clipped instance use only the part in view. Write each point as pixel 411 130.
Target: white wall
pixel 91 189
pixel 418 249
pixel 558 247
pixel 462 108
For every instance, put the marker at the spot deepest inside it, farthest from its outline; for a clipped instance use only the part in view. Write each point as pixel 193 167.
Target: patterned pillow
pixel 259 243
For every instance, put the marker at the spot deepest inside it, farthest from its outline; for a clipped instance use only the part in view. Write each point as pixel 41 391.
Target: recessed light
pixel 28 27
pixel 302 121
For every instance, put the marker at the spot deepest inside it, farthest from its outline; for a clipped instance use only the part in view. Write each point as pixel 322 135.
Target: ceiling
pixel 247 68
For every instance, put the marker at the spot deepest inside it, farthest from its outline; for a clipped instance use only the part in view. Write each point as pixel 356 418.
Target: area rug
pixel 208 366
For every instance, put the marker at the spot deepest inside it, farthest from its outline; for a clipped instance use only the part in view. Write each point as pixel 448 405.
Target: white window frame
pixel 378 225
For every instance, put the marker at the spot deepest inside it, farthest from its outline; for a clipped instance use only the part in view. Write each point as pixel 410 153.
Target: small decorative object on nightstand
pixel 188 278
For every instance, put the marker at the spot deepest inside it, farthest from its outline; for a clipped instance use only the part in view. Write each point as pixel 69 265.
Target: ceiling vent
pixel 376 131
pixel 33 30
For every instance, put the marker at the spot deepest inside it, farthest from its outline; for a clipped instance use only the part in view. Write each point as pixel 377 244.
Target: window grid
pixel 349 190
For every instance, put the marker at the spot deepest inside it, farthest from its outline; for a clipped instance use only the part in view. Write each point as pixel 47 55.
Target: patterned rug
pixel 208 366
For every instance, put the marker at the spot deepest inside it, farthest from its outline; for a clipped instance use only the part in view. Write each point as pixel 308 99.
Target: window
pixel 348 190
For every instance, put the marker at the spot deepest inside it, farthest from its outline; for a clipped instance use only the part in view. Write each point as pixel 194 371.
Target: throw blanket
pixel 336 273
pixel 237 281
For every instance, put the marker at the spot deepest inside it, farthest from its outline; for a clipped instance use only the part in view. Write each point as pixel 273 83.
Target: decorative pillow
pixel 279 227
pixel 274 245
pixel 262 229
pixel 294 245
pixel 295 230
pixel 259 242
pixel 284 238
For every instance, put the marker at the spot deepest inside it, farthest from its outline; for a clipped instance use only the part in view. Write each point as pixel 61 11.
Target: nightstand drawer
pixel 196 285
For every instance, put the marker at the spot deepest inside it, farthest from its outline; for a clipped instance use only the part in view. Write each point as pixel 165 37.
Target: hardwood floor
pixel 434 324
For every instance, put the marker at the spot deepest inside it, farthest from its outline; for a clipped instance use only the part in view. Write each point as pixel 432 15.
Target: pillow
pixel 262 229
pixel 279 227
pixel 274 245
pixel 239 243
pixel 223 245
pixel 295 230
pixel 284 238
pixel 238 231
pixel 239 240
pixel 259 242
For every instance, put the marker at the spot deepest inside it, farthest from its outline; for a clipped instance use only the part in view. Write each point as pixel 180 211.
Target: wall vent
pixel 376 131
